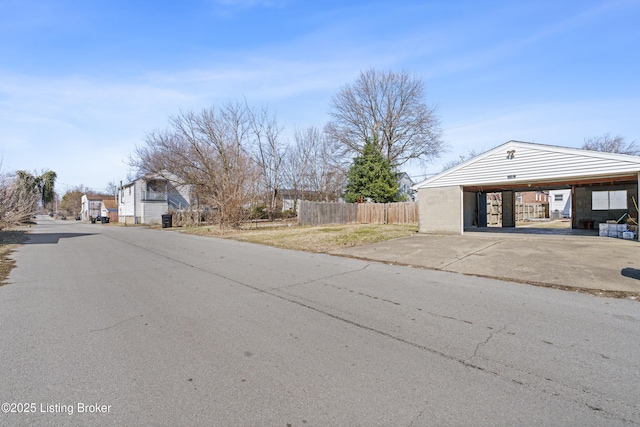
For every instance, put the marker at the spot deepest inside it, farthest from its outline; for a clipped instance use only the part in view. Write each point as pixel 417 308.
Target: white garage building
pixel 603 186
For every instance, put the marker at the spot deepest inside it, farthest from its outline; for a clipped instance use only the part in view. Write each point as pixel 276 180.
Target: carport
pixel 604 186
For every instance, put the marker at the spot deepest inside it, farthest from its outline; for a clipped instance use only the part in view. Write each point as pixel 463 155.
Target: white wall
pixel 89 208
pixel 126 204
pixel 564 205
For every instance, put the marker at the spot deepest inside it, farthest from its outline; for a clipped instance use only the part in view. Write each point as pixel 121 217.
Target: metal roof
pixel 517 162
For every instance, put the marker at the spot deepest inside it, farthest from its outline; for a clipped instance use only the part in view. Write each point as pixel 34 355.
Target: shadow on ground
pixel 9 239
pixel 52 238
pixel 533 230
pixel 12 237
pixel 633 273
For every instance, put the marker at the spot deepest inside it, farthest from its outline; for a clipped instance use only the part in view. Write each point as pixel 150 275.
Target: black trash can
pixel 104 219
pixel 166 221
pixel 93 220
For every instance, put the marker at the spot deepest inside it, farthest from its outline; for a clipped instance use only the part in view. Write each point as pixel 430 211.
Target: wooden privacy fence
pixel 523 211
pixel 526 211
pixel 318 213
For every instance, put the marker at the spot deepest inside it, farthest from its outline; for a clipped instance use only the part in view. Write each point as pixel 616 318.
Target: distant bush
pixel 289 213
pixel 258 212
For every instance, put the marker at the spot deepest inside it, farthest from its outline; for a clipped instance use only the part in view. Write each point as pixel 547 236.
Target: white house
pixel 560 203
pixel 91 205
pixel 109 209
pixel 146 199
pixel 405 186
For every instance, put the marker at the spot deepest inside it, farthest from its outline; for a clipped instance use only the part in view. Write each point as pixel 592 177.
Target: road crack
pixel 116 324
pixel 442 267
pixel 486 341
pixel 332 276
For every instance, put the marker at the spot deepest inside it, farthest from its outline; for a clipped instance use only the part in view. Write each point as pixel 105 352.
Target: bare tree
pixel 606 143
pixel 470 154
pixel 313 172
pixel 268 152
pixel 297 165
pixel 111 188
pixel 206 151
pixel 389 109
pixel 72 200
pixel 18 198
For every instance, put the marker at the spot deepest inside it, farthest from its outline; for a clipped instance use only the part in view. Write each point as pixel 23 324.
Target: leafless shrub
pixel 312 171
pixel 268 151
pixel 17 202
pixel 607 144
pixel 208 152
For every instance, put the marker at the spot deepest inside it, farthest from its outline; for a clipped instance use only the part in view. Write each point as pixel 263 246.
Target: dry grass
pixel 9 240
pixel 321 239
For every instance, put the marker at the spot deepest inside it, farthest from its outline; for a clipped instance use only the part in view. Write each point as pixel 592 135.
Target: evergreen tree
pixel 43 185
pixel 47 182
pixel 371 177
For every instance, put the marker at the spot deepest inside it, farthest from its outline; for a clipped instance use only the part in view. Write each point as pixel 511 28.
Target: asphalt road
pixel 106 325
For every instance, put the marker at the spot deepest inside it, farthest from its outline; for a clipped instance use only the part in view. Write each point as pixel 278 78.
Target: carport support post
pixel 508 209
pixel 481 205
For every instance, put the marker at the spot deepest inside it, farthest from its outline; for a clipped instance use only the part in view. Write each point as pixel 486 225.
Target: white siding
pixel 84 209
pixel 132 208
pixel 564 205
pixel 90 207
pixel 533 163
pixel 126 198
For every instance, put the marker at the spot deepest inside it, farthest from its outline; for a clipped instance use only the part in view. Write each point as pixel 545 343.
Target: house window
pixel 609 200
pixel 558 197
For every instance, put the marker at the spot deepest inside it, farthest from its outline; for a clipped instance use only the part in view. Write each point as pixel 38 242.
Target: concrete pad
pixel 594 264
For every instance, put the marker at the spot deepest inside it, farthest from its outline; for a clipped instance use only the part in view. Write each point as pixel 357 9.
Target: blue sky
pixel 82 82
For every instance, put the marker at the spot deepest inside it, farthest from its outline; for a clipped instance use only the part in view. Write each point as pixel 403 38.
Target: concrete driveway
pixel 571 260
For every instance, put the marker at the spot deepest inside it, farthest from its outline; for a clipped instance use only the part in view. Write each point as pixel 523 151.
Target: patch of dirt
pixel 9 240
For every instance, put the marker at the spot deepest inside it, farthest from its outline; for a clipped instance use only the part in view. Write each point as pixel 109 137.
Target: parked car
pixel 100 219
